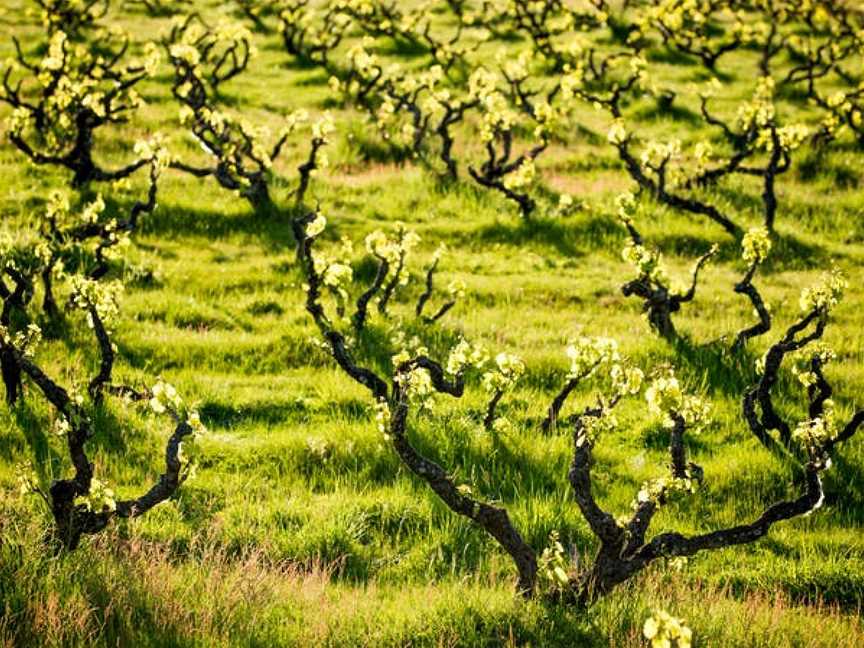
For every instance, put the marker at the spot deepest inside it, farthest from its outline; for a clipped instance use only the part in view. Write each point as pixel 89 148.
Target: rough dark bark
pixel 500 163
pixel 746 287
pixel 551 421
pixel 362 310
pixel 494 520
pixel 75 154
pixel 659 302
pixel 106 352
pixel 683 203
pixel 426 295
pixel 624 551
pixel 72 520
pixel 491 409
pixel 11 376
pixel 236 163
pixel 15 301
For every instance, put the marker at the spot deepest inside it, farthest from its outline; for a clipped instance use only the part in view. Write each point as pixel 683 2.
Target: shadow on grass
pixel 671 57
pixel 298 63
pixel 789 252
pixel 662 111
pixel 568 237
pixel 693 245
pixel 844 486
pixel 130 445
pixel 794 94
pixel 402 47
pixel 714 366
pixel 217 414
pixel 172 222
pixel 816 164
pixel 46 460
pixel 802 586
pixel 373 149
pixel 272 357
pixel 597 161
pixel 317 78
pixel 222 415
pixel 657 438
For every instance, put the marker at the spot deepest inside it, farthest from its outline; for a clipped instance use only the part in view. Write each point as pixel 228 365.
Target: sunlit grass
pixel 301 526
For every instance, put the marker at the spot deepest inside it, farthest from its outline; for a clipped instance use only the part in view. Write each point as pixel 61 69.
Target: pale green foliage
pixel 164 398
pixel 663 489
pixel 588 354
pixel 801 361
pixel 553 563
pixel 101 296
pixel 813 433
pixel 665 631
pixel 465 355
pixel 26 478
pixel 73 79
pixel 756 245
pixel 666 396
pixel 26 340
pixel 505 374
pixel 826 294
pixel 100 498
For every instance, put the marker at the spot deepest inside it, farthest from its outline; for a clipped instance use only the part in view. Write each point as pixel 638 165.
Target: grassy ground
pixel 302 528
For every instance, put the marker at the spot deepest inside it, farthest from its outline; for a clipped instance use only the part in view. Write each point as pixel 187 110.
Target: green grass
pixel 302 528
